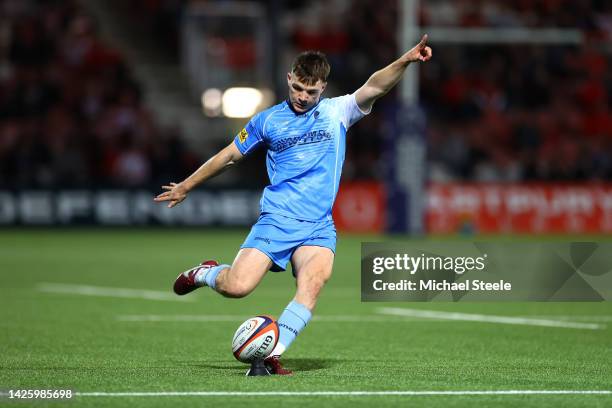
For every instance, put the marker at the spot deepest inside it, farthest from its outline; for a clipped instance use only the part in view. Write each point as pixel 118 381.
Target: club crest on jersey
pixel 242 136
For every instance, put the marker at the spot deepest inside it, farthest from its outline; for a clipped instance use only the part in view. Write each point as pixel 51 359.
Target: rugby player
pixel 305 138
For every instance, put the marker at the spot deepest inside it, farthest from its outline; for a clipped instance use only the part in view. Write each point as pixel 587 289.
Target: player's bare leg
pixel 244 275
pixel 313 268
pixel 237 280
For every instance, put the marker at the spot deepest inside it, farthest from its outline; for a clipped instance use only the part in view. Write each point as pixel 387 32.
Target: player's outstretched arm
pixel 383 80
pixel 177 192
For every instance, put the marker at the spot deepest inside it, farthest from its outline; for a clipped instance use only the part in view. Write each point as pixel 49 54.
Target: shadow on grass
pixel 297 364
pixel 311 364
pixel 228 367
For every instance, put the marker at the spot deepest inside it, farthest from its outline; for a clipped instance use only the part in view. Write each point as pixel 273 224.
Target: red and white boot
pixel 185 282
pixel 274 366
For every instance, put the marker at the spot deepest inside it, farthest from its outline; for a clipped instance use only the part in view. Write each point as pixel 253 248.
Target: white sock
pixel 278 350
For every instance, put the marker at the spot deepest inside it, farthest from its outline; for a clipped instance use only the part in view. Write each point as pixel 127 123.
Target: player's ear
pixel 324 85
pixel 289 78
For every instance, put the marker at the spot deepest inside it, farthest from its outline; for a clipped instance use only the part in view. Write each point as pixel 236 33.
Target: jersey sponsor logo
pixel 242 136
pixel 314 136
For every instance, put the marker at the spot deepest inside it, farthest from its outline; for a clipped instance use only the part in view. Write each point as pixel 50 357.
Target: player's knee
pixel 319 279
pixel 241 291
pixel 236 289
pixel 325 275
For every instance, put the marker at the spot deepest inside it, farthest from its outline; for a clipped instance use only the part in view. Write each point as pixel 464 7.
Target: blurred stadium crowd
pixel 521 112
pixel 71 112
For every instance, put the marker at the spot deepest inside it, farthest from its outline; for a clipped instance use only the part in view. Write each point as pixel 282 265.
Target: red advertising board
pixel 519 208
pixel 360 207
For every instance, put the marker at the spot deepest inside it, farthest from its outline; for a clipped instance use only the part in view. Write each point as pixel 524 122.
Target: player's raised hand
pixel 175 194
pixel 420 52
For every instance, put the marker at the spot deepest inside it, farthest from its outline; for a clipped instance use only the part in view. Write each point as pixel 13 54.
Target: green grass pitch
pixel 54 340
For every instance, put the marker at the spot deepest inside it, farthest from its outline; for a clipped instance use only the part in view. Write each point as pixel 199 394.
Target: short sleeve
pixel 251 136
pixel 348 110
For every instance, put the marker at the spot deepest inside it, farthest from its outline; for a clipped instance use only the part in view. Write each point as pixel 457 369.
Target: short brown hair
pixel 310 67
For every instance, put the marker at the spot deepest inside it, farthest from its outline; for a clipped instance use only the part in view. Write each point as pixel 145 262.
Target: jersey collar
pixel 302 113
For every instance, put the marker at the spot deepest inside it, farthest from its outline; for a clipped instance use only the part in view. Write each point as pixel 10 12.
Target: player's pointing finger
pixel 423 41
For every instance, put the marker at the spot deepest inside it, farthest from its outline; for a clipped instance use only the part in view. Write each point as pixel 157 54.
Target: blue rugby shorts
pixel 279 237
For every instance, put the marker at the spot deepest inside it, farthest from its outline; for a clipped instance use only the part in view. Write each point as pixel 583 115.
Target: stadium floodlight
pixel 241 102
pixel 211 102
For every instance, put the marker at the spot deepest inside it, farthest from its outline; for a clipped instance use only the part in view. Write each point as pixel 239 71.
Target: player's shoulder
pixel 262 121
pixel 267 113
pixel 337 101
pixel 336 105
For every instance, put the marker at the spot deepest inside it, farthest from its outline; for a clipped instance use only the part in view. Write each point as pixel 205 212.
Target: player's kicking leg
pixel 313 268
pixel 237 280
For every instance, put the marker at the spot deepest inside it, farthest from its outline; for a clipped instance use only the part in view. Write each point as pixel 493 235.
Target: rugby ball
pixel 255 339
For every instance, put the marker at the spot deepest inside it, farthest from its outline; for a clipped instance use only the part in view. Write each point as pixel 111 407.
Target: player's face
pixel 302 96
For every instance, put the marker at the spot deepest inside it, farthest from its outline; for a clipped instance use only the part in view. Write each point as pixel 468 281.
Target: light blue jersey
pixel 305 155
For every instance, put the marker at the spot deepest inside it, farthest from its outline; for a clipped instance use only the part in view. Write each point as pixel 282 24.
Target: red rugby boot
pixel 185 282
pixel 274 366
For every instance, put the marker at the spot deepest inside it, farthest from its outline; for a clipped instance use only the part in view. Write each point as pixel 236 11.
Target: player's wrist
pixel 186 186
pixel 407 60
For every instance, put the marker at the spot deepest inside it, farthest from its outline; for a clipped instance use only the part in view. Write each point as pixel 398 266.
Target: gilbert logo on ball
pixel 255 339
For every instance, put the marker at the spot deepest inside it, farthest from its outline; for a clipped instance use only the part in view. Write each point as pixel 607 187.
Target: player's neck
pixel 301 113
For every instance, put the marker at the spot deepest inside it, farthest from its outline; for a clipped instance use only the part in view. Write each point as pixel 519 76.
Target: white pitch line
pixel 239 318
pixel 434 314
pixel 337 393
pixel 580 318
pixel 87 290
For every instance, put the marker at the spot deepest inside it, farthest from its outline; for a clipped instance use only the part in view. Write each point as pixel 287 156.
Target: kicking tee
pixel 305 153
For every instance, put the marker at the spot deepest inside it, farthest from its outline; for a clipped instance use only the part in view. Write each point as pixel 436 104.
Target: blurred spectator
pixel 70 112
pixel 524 113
